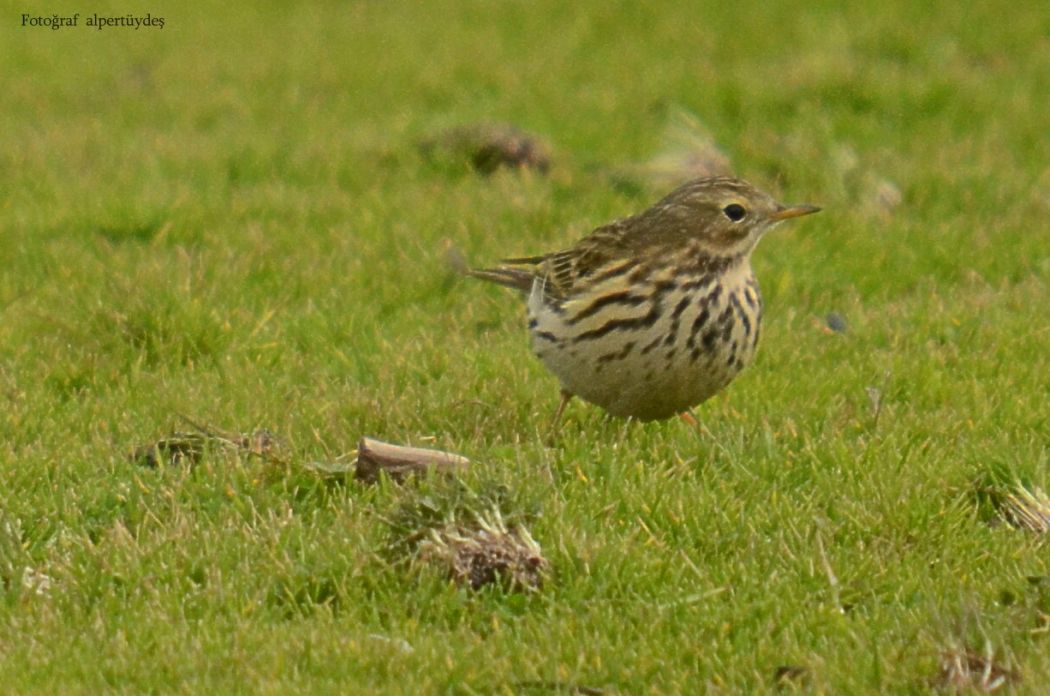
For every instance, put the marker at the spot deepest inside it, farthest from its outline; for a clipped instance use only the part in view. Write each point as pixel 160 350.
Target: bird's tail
pixel 516 278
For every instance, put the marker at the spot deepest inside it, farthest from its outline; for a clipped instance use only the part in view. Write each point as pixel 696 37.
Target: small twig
pixel 374 456
pixel 833 581
pixel 876 395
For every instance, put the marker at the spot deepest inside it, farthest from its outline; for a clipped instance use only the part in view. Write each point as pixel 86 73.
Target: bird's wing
pixel 567 272
pixel 571 270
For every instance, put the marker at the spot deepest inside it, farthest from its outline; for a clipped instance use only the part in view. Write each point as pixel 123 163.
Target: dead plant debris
pixel 688 151
pixel 884 196
pixel 489 147
pixel 1003 498
pixel 836 323
pixel 187 447
pixel 1027 508
pixel 789 675
pixel 966 671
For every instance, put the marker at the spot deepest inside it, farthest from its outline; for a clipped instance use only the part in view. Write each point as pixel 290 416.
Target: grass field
pixel 229 219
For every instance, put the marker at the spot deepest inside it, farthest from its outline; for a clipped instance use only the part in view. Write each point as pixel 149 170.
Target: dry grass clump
pixel 485 551
pixel 479 537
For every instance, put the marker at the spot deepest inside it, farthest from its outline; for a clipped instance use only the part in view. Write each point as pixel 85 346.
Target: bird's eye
pixel 735 212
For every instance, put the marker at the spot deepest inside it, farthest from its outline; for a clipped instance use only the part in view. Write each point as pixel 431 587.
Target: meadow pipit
pixel 651 315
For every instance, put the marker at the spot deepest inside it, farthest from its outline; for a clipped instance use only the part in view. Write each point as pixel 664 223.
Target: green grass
pixel 229 219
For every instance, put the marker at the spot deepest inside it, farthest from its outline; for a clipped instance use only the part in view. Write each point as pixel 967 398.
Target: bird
pixel 651 315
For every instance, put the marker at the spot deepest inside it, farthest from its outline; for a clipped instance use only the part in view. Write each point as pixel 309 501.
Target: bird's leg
pixel 689 418
pixel 699 428
pixel 566 397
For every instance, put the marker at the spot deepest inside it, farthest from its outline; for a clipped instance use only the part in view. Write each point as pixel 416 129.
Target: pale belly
pixel 651 363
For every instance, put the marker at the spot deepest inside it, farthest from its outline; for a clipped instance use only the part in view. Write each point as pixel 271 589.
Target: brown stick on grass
pixel 374 456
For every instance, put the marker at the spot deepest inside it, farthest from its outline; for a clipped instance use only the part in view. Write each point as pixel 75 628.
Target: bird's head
pixel 726 216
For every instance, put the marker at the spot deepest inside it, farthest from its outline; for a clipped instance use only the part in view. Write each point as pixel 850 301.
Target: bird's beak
pixel 793 211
